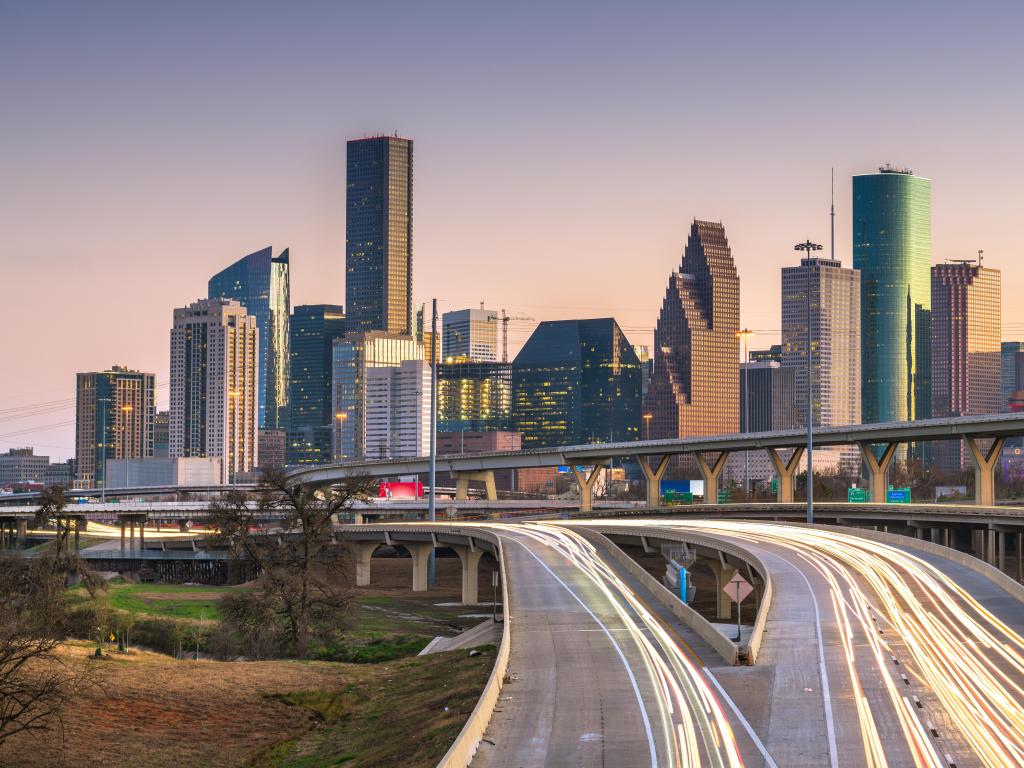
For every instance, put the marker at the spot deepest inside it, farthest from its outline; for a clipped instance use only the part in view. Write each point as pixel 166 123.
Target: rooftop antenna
pixel 980 252
pixel 832 214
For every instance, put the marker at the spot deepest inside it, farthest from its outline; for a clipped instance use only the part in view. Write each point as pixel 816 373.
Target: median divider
pixel 724 647
pixel 465 745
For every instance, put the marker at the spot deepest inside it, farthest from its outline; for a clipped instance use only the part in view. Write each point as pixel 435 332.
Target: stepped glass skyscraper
pixel 378 236
pixel 892 248
pixel 694 387
pixel 260 283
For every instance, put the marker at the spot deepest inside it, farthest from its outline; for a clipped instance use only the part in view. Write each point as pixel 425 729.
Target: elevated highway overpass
pixel 871 649
pixel 983 435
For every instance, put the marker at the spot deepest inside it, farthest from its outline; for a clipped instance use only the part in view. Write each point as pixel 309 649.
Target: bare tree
pixel 303 586
pixel 35 683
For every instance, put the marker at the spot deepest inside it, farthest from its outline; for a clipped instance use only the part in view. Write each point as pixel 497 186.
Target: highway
pixel 874 655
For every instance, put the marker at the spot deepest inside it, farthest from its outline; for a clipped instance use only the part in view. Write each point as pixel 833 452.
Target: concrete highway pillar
pixel 1001 550
pixel 945 537
pixel 984 469
pixel 786 470
pixel 653 475
pixel 470 557
pixel 462 484
pixel 990 546
pixel 363 552
pixel 711 473
pixel 131 537
pixel 878 467
pixel 420 559
pixel 142 535
pixel 1020 557
pixel 122 537
pixel 586 484
pixel 22 531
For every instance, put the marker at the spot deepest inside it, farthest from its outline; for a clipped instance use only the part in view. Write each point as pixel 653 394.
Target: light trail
pixel 969 660
pixel 692 725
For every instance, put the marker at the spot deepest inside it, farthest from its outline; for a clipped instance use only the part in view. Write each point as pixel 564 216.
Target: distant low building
pixel 60 473
pixel 152 472
pixel 21 465
pixel 480 442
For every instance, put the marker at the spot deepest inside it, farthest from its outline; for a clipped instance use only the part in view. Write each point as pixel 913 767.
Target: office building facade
pixel 474 397
pixel 351 358
pixel 470 334
pixel 694 387
pixel 1011 371
pixel 966 349
pixel 314 329
pixel 574 382
pixel 215 385
pixel 260 282
pixel 114 414
pixel 892 248
pixel 21 466
pixel 767 397
pixel 398 410
pixel 378 235
pixel 835 339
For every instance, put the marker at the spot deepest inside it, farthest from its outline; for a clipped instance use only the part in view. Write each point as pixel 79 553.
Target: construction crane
pixel 505 318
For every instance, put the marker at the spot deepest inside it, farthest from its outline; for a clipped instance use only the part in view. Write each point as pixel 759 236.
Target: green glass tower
pixel 892 248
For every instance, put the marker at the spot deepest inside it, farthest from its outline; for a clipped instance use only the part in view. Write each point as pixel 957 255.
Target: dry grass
pixel 156 712
pixel 149 711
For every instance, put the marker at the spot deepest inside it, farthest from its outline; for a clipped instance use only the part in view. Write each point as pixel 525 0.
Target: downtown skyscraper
pixel 260 282
pixel 575 382
pixel 835 338
pixel 215 385
pixel 114 412
pixel 378 236
pixel 892 249
pixel 694 388
pixel 314 329
pixel 965 355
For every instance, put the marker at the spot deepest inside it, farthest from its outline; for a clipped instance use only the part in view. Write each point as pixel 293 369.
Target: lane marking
pixel 769 761
pixel 632 679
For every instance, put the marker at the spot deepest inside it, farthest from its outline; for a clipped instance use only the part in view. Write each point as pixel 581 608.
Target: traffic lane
pixel 569 699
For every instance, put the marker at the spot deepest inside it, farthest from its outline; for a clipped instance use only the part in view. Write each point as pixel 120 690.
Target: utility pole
pixel 808 247
pixel 432 509
pixel 745 334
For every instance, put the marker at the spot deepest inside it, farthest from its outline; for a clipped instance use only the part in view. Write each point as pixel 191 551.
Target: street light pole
pixel 808 247
pixel 431 505
pixel 745 334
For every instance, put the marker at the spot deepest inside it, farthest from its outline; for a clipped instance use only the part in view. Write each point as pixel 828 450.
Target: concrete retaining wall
pixel 671 600
pixel 724 647
pixel 462 750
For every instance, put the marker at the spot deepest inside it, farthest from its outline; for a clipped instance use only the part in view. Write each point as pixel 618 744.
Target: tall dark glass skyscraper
pixel 314 327
pixel 575 382
pixel 892 248
pixel 260 283
pixel 378 236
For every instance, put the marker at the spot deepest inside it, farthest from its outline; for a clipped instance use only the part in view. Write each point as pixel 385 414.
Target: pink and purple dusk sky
pixel 562 149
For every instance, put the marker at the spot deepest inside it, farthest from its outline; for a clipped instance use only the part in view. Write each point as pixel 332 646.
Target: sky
pixel 561 151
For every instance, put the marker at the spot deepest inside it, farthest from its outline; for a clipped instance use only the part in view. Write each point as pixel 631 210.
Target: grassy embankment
pixel 151 711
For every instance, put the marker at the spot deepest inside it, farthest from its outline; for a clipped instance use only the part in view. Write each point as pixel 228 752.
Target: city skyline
pixel 499 199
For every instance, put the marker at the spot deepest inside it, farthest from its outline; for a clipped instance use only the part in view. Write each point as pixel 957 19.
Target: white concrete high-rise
pixel 835 341
pixel 214 385
pixel 398 411
pixel 470 335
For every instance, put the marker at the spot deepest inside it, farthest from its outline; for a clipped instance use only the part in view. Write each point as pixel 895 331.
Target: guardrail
pixel 465 745
pixel 725 648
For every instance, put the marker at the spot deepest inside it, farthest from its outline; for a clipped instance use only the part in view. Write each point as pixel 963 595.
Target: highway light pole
pixel 431 509
pixel 745 334
pixel 808 247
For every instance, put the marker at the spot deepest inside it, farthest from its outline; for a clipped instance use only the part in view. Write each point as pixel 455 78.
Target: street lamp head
pixel 341 415
pixel 807 245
